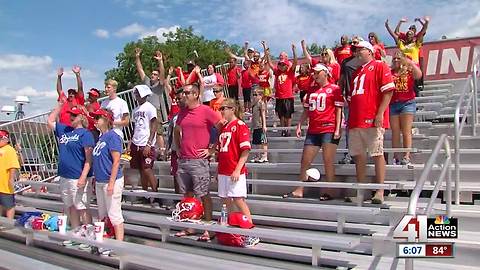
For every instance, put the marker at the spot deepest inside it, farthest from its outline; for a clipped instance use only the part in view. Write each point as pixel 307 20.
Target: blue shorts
pixel 402 107
pixel 7 201
pixel 319 139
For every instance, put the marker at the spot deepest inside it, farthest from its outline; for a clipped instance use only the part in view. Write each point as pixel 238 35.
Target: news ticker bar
pixel 425 250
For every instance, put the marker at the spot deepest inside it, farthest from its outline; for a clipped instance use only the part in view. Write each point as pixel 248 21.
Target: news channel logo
pixel 421 228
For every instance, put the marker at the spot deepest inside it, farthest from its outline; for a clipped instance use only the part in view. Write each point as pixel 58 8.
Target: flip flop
pixel 325 197
pixel 205 237
pixel 183 233
pixel 291 195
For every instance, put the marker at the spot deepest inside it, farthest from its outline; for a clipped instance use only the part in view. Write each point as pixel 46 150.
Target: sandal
pixel 205 237
pixel 291 195
pixel 325 197
pixel 183 233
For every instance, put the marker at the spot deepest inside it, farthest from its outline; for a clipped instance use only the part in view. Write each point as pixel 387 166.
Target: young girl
pixel 259 124
pixel 234 147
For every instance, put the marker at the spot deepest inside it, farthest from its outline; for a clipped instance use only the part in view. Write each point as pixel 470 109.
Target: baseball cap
pixel 103 113
pixel 4 135
pixel 320 67
pixel 72 90
pixel 94 92
pixel 364 44
pixel 313 173
pixel 240 220
pixel 251 49
pixel 76 110
pixel 190 62
pixel 283 62
pixel 143 90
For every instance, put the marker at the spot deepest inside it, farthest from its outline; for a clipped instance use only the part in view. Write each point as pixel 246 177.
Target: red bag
pixel 37 224
pixel 109 231
pixel 236 219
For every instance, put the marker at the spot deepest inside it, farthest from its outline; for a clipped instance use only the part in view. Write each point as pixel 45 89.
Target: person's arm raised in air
pixel 397 28
pixel 161 68
pixel 305 51
pixel 245 51
pixel 181 77
pixel 201 82
pixel 230 54
pixel 267 55
pixel 76 70
pixel 138 63
pixel 295 59
pixel 423 31
pixel 394 36
pixel 59 81
pixel 166 83
pixel 52 117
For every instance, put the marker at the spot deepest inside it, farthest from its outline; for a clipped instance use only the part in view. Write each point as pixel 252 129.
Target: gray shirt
pixel 257 108
pixel 157 90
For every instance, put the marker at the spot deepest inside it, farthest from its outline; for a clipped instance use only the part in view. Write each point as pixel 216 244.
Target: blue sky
pixel 39 36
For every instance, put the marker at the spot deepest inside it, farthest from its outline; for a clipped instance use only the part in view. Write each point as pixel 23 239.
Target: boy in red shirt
pixel 74 98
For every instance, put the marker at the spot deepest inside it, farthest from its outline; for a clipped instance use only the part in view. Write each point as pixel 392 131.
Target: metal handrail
pixel 445 172
pixel 470 89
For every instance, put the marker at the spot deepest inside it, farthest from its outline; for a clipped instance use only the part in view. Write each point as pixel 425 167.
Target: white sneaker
pixel 263 160
pixel 251 241
pixel 85 247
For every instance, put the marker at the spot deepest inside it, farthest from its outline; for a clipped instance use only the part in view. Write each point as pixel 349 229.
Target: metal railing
pixel 446 171
pixel 467 101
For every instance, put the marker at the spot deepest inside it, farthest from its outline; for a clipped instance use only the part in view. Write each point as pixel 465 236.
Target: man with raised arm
pixel 156 84
pixel 75 96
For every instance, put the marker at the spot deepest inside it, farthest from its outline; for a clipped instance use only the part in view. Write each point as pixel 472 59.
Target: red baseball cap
pixel 76 110
pixel 240 220
pixel 4 135
pixel 103 113
pixel 284 62
pixel 94 92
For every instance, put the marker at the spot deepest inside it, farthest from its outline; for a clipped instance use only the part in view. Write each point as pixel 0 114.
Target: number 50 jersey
pixel 371 81
pixel 321 103
pixel 234 139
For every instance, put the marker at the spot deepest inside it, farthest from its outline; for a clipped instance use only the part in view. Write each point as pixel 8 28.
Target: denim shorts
pixel 402 107
pixel 319 139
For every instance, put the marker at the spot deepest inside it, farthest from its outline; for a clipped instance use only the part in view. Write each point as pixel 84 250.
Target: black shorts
pixel 7 200
pixel 302 95
pixel 233 92
pixel 247 93
pixel 259 137
pixel 319 139
pixel 284 107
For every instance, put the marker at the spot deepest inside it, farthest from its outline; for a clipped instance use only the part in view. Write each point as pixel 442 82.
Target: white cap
pixel 143 90
pixel 313 173
pixel 366 45
pixel 251 49
pixel 320 67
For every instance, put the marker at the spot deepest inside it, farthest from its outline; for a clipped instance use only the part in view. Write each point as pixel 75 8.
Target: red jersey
pixel 379 48
pixel 342 53
pixel 370 81
pixel 334 70
pixel 186 74
pixel 263 78
pixel 234 139
pixel 321 103
pixel 64 117
pixel 247 78
pixel 304 82
pixel 91 120
pixel 404 87
pixel 232 73
pixel 284 83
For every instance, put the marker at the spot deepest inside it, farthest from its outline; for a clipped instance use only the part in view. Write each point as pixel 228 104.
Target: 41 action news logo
pixel 422 228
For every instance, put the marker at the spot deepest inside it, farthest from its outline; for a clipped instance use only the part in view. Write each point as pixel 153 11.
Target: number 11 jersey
pixel 321 103
pixel 371 81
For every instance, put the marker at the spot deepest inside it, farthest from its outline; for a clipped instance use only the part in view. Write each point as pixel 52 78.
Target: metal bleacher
pixel 297 233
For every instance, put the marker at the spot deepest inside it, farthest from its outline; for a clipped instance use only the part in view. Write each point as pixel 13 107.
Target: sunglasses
pixel 186 93
pixel 324 54
pixel 217 91
pixel 396 59
pixel 155 74
pixel 223 108
pixel 255 95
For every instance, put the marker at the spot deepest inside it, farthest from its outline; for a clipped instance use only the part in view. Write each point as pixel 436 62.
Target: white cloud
pixel 472 28
pixel 101 33
pixel 159 32
pixel 131 30
pixel 27 91
pixel 24 62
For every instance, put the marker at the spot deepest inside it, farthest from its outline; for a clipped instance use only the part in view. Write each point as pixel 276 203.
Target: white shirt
pixel 119 107
pixel 142 115
pixel 208 91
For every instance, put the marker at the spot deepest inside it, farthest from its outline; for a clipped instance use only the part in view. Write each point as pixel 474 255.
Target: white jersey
pixel 141 116
pixel 118 107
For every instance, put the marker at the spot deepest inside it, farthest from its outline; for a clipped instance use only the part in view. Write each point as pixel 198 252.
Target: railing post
pixel 475 104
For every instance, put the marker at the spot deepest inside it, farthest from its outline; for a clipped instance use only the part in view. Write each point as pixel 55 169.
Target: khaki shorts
pixel 73 196
pixel 361 140
pixel 110 206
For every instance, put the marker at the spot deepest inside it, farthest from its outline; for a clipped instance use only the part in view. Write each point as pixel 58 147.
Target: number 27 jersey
pixel 370 82
pixel 234 139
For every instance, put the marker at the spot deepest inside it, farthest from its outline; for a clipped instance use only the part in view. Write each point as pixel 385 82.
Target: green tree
pixel 315 48
pixel 178 48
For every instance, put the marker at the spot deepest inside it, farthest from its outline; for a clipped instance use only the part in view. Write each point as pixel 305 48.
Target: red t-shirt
pixel 247 79
pixel 370 81
pixel 284 83
pixel 195 125
pixel 378 48
pixel 334 69
pixel 64 117
pixel 342 53
pixel 304 83
pixel 174 108
pixel 179 84
pixel 232 79
pixel 91 120
pixel 263 77
pixel 321 103
pixel 404 87
pixel 234 139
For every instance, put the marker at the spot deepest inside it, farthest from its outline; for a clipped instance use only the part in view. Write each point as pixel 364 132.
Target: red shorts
pixel 138 161
pixel 173 163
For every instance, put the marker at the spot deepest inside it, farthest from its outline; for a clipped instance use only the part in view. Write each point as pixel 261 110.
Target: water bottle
pixel 224 215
